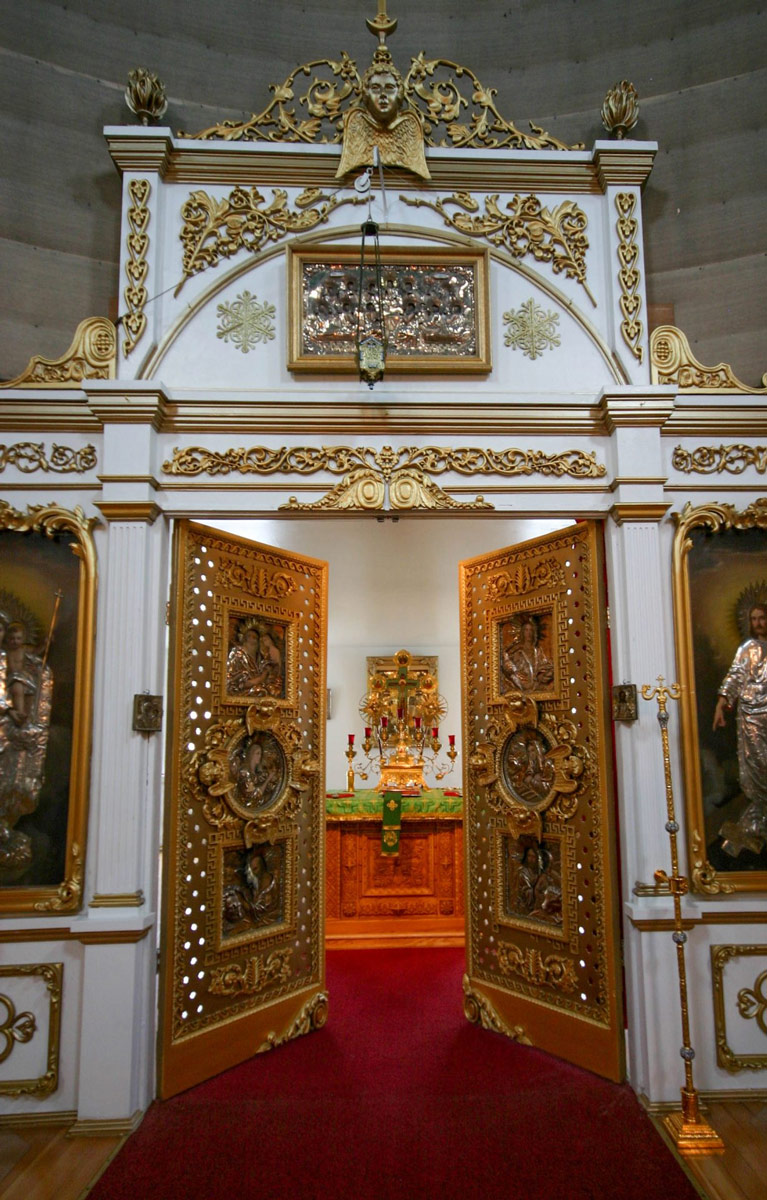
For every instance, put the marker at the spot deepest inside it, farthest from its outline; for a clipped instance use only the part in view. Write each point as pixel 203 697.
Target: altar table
pixel 413 899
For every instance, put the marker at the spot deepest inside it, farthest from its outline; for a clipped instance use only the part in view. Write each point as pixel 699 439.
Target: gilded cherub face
pixel 382 94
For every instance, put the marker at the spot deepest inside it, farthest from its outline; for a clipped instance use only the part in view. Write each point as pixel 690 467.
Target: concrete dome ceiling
pixel 699 69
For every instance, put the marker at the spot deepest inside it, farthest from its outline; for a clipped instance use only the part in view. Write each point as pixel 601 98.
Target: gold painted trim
pixel 32 1120
pixel 662 924
pixel 298 256
pixel 623 513
pixel 714 518
pixel 725 1056
pixel 629 277
pixel 45 1085
pixel 127 510
pixel 713 460
pixel 92 355
pixel 31 456
pixel 312 1015
pixel 117 900
pixel 136 266
pixel 673 362
pixel 150 367
pixel 478 1009
pixel 58 934
pixel 108 1127
pixel 47 520
pixel 715 1096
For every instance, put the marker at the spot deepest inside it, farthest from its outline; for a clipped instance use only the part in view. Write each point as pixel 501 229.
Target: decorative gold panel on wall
pixel 19 1028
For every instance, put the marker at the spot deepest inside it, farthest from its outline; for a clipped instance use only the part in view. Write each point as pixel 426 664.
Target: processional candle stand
pixel 690 1132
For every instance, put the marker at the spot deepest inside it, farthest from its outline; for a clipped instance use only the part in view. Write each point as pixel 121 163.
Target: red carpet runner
pixel 398 1096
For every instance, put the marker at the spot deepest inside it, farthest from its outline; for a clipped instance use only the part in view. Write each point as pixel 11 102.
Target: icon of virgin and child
pixel 255 664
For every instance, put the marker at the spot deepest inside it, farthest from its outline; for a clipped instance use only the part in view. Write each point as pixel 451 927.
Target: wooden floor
pixel 741 1172
pixel 39 1162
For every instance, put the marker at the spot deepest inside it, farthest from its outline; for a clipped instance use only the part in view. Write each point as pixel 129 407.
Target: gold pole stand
pixel 691 1133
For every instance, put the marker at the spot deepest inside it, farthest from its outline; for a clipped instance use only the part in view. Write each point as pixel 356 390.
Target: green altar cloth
pixel 369 803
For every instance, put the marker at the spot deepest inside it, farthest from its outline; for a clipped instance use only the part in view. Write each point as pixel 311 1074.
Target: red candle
pixel 399 713
pixel 451 738
pixel 351 739
pixel 417 722
pixel 435 732
pixel 384 722
pixel 368 731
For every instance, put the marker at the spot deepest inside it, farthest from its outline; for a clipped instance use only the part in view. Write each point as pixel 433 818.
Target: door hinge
pixel 167 612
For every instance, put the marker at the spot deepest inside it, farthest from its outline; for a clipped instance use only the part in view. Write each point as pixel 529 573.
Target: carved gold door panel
pixel 542 933
pixel 243 939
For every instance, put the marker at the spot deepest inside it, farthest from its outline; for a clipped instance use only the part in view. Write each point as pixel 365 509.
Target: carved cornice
pixel 129 510
pixel 636 407
pixel 673 362
pixel 92 355
pixel 649 513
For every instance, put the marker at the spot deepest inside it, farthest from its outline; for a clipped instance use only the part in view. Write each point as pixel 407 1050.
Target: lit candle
pixel 451 738
pixel 351 739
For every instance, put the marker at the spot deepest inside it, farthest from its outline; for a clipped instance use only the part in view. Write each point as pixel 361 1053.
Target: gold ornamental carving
pixel 408 489
pixel 255 580
pixel 447 101
pixel 191 461
pixel 629 277
pixel 672 362
pixel 92 355
pixel 260 971
pixel 145 95
pixel 751 1003
pixel 313 1015
pixel 552 970
pixel 24 1028
pixel 715 460
pixel 17 1027
pixel 214 230
pixel 531 330
pixel 29 457
pixel 136 266
pixel 69 892
pixel 218 775
pixel 478 1009
pixel 525 577
pixel 620 109
pixel 556 236
pixel 517 735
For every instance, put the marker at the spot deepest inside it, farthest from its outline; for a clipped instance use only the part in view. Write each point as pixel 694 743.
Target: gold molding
pixel 136 266
pixel 108 1127
pixel 45 1085
pixel 365 490
pixel 725 1056
pixel 14 1120
pixel 217 228
pixel 479 1011
pixel 712 518
pixel 117 900
pixel 713 460
pixel 58 934
pixel 673 362
pixel 92 355
pixel 129 510
pixel 555 236
pixel 46 520
pixel 629 276
pixel 627 512
pixel 31 456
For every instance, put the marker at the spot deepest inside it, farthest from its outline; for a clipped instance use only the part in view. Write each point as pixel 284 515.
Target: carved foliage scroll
pixel 136 266
pixel 628 273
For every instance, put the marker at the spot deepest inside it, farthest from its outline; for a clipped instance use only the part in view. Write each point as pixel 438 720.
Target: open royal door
pixel 242 960
pixel 542 932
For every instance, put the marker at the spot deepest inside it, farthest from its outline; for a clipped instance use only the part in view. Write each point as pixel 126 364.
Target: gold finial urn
pixel 145 95
pixel 620 110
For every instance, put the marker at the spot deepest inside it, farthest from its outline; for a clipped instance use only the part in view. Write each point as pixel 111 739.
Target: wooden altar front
pixel 414 898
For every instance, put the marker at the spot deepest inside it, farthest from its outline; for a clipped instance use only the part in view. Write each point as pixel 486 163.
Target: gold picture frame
pixel 719 577
pixel 22 1027
pixel 48 593
pixel 525 654
pixel 436 307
